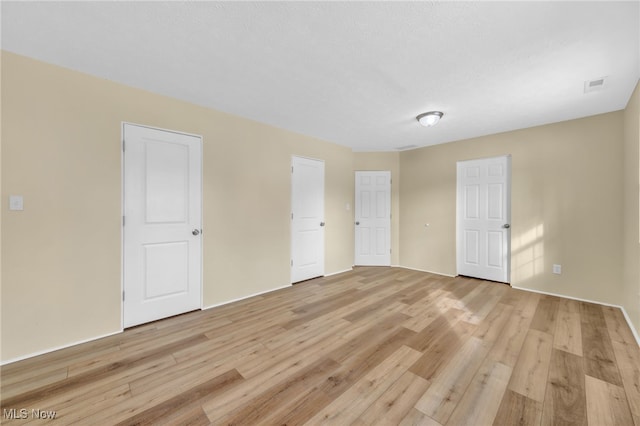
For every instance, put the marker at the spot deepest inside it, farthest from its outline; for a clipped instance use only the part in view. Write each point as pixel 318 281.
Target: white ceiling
pixel 353 73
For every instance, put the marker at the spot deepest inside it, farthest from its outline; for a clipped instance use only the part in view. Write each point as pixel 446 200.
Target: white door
pixel 483 218
pixel 307 219
pixel 162 224
pixel 373 218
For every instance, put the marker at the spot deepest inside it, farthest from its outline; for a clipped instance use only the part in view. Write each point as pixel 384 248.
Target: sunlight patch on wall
pixel 527 254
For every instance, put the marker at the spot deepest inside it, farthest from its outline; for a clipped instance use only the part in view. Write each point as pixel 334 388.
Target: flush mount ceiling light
pixel 430 118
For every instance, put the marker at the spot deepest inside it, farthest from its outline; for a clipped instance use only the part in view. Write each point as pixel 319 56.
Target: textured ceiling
pixel 353 73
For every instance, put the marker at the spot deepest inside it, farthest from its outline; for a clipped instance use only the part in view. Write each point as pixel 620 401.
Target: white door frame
pixel 122 210
pixel 507 229
pixel 322 220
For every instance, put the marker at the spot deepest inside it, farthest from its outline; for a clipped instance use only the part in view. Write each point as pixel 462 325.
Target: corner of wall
pixel 631 209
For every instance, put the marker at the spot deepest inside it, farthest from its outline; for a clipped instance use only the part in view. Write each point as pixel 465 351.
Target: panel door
pixel 373 218
pixel 307 219
pixel 162 224
pixel 483 218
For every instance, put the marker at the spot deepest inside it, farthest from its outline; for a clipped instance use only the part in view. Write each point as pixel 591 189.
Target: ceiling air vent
pixel 594 85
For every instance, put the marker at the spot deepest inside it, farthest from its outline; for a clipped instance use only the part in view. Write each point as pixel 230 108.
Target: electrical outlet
pixel 557 269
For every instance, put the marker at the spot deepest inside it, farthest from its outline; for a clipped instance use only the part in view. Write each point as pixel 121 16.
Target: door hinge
pixel 390 181
pixel 123 145
pixel 291 169
pixel 122 220
pixel 123 295
pixel 291 216
pixel 291 262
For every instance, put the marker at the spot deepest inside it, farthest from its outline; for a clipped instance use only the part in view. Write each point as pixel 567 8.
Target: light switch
pixel 16 202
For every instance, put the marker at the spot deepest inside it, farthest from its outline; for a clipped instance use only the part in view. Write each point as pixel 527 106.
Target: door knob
pixel 506 226
pixel 195 232
pixel 357 223
pixel 321 223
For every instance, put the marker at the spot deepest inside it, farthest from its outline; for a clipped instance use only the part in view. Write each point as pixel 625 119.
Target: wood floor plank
pixel 546 314
pixel 516 409
pixel 375 345
pixel 509 343
pixel 22 372
pixel 386 306
pixel 270 373
pixel 481 401
pixel 107 372
pixel 617 326
pixel 422 289
pixel 140 403
pixel 263 406
pixel 565 399
pixel 299 334
pixel 323 291
pixel 185 402
pixel 331 306
pixel 371 336
pixel 599 358
pixel 365 391
pixel 360 363
pixel 67 409
pixel 304 408
pixel 442 349
pixel 418 418
pixel 17 387
pixel 436 329
pixel 197 370
pixel 220 345
pixel 310 342
pixel 568 333
pixel 396 402
pixel 423 314
pixel 97 412
pixel 606 403
pixel 446 390
pixel 529 376
pixel 628 360
pixel 493 325
pixel 514 297
pixel 486 305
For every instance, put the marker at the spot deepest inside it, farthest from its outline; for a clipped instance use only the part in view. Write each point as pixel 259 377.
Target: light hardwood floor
pixel 373 346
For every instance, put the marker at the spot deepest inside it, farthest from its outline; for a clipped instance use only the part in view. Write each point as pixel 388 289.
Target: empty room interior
pixel 320 213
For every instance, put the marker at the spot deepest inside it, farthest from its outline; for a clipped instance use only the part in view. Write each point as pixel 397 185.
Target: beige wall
pixel 372 161
pixel 631 212
pixel 61 129
pixel 60 278
pixel 566 204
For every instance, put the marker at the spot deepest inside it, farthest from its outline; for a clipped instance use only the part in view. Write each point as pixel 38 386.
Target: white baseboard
pixel 423 270
pixel 57 348
pixel 624 312
pixel 245 297
pixel 339 272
